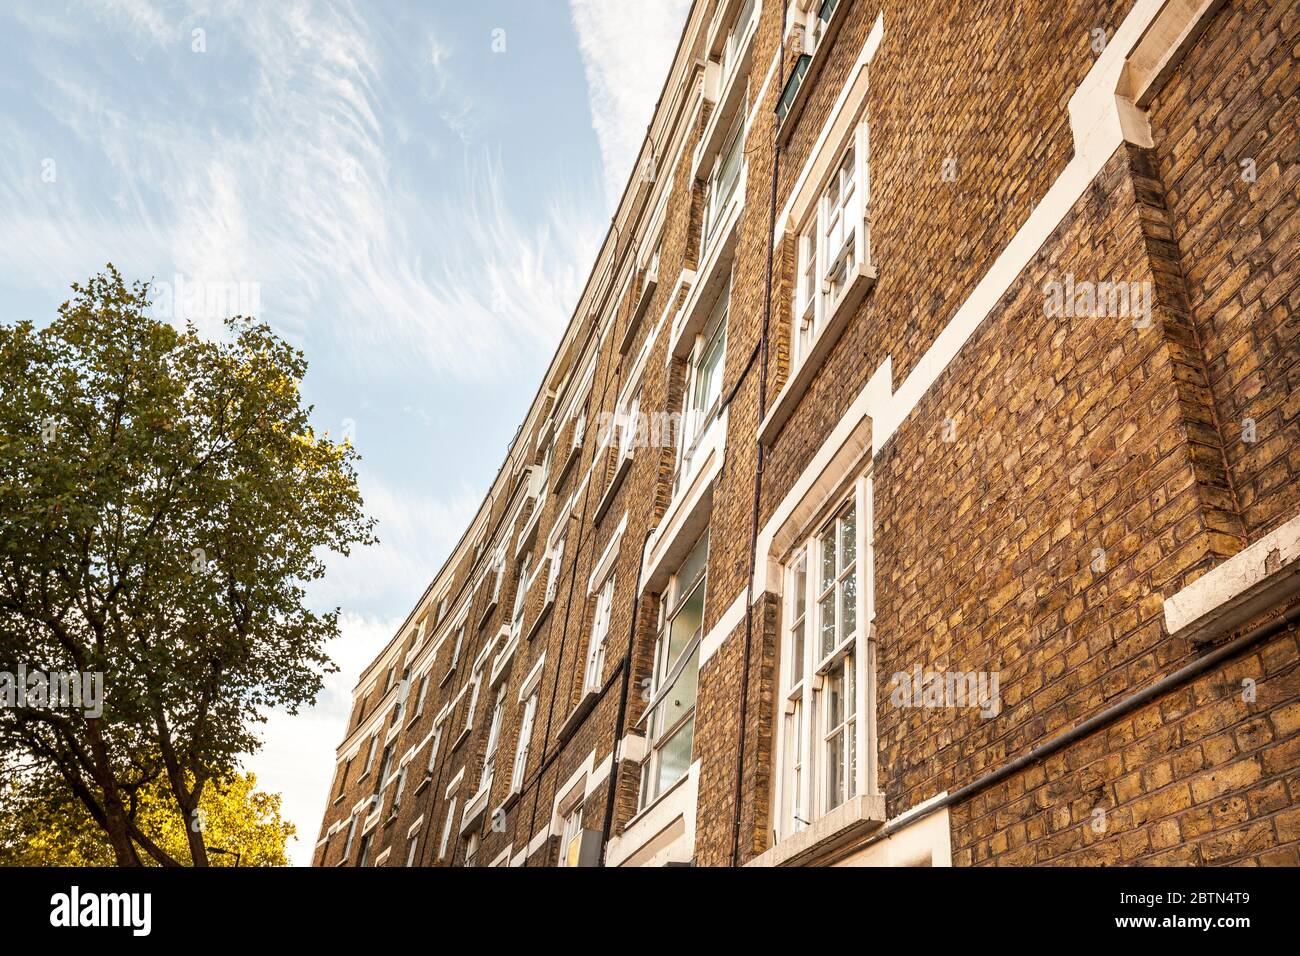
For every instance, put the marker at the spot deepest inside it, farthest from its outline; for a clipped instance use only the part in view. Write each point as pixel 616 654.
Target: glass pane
pixel 851 781
pixel 691 568
pixel 800 585
pixel 675 757
pixel 835 771
pixel 849 605
pixel 682 697
pixel 796 654
pixel 827 608
pixel 685 624
pixel 828 557
pixel 848 538
pixel 835 702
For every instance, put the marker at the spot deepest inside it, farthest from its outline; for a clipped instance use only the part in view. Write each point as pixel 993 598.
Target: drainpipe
pixel 1112 713
pixel 758 484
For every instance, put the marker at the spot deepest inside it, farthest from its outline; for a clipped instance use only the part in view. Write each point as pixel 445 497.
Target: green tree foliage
pixel 164 502
pixel 42 824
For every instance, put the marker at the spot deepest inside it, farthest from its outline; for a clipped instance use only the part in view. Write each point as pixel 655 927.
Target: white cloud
pixel 297 191
pixel 297 759
pixel 416 534
pixel 627 48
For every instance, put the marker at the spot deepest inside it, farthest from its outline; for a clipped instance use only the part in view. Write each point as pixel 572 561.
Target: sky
pixel 411 192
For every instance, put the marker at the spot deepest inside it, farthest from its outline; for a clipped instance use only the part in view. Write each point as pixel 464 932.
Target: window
pixel 343 777
pixel 815 22
pixel 370 754
pixel 471 850
pixel 553 570
pixel 499 569
pixel 442 612
pixel 521 748
pixel 363 856
pixel 433 747
pixel 633 434
pixel 475 684
pixel 670 716
pixel 821 725
pixel 419 698
pixel 735 40
pixel 399 788
pixel 455 650
pixel 410 851
pixel 494 739
pixel 704 387
pixel 571 839
pixel 403 692
pixel 352 832
pixel 599 634
pixel 832 247
pixel 545 485
pixel 446 829
pixel 521 594
pixel 722 182
pixel 384 766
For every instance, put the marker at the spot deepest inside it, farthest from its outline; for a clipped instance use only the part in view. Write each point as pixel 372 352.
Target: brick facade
pixel 1063 386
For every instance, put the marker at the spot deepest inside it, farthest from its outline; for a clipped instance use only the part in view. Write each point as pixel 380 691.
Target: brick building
pixel 916 483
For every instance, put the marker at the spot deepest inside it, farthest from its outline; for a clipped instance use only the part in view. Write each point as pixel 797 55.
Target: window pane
pixel 848 538
pixel 835 771
pixel 691 568
pixel 800 585
pixel 826 607
pixel 828 557
pixel 685 624
pixel 852 780
pixel 796 654
pixel 835 702
pixel 675 756
pixel 849 605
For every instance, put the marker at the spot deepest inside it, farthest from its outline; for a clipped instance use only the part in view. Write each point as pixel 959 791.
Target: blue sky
pixel 412 192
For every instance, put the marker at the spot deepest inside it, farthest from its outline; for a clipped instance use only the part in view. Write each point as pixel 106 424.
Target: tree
pixel 42 824
pixel 164 502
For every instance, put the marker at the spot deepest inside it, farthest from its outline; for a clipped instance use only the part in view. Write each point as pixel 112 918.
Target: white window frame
pixel 398 788
pixel 494 739
pixel 737 36
pixel 571 837
pixel 352 833
pixel 456 647
pixel 824 275
pixel 814 25
pixel 475 685
pixel 700 417
pixel 718 196
pixel 370 754
pixel 521 593
pixel 520 765
pixel 446 829
pixel 434 744
pixel 668 673
pixel 807 672
pixel 595 664
pixel 420 697
pixel 410 850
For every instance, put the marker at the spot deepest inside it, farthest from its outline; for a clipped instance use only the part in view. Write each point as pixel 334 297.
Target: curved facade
pixel 916 483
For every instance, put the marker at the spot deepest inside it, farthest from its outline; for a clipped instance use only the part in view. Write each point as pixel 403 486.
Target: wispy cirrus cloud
pixel 627 48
